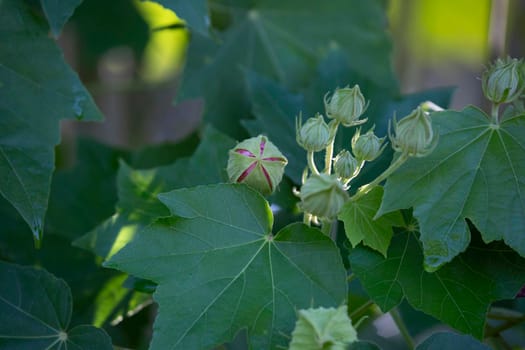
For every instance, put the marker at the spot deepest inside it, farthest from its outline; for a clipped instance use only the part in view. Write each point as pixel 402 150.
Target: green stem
pixel 393 167
pixel 494 331
pixel 360 309
pixel 326 227
pixel 329 154
pixel 311 162
pixel 402 328
pixel 495 113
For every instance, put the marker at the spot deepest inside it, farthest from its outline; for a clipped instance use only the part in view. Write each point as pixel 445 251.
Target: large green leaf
pixel 459 294
pixel 477 172
pixel 360 225
pixel 220 269
pixel 282 40
pixel 58 13
pixel 275 109
pixel 138 205
pixel 194 12
pixel 38 89
pixel 449 340
pixel 35 310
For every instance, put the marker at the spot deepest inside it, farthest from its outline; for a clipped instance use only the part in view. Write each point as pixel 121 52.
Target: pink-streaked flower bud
pixel 258 163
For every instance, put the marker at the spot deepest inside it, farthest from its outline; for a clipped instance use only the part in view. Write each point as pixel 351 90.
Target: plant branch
pixel 402 328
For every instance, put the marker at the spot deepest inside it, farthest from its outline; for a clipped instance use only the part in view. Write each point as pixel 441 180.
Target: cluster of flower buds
pixel 503 81
pixel 257 163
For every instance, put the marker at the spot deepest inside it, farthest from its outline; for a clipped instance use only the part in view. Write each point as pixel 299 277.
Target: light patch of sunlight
pixel 166 48
pixel 125 235
pixel 434 31
pixel 111 294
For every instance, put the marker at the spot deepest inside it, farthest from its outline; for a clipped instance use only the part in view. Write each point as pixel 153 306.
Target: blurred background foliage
pixel 130 54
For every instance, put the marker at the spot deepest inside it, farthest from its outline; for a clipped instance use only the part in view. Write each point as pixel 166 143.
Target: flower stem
pixel 495 113
pixel 329 154
pixel 402 328
pixel 393 167
pixel 311 162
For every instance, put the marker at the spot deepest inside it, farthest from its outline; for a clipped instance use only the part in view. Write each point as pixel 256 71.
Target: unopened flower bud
pixel 257 163
pixel 346 106
pixel 323 196
pixel 346 166
pixel 314 135
pixel 367 146
pixel 503 81
pixel 414 135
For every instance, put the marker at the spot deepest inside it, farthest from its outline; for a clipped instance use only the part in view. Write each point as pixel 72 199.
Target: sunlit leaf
pixel 323 328
pixel 220 269
pixel 477 172
pixel 194 12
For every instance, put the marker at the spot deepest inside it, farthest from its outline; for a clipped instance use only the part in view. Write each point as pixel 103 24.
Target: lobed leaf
pixel 448 340
pixel 220 269
pixel 35 310
pixel 361 226
pixel 477 171
pixel 38 89
pixel 458 294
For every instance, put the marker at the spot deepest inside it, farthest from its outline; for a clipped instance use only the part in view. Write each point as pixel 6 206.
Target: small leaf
pixel 448 340
pixel 360 225
pixel 37 90
pixel 58 13
pixel 35 309
pixel 323 329
pixel 458 294
pixel 477 171
pixel 225 271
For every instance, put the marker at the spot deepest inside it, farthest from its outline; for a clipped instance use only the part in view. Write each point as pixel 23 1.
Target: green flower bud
pixel 323 196
pixel 367 146
pixel 346 106
pixel 413 134
pixel 503 81
pixel 257 163
pixel 346 166
pixel 314 135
